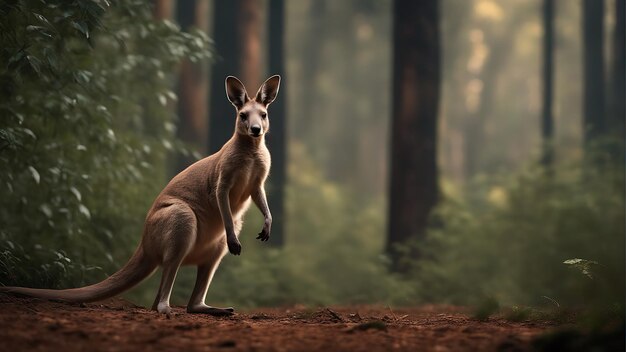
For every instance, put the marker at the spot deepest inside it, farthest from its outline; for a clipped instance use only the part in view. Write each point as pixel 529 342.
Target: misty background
pixel 431 152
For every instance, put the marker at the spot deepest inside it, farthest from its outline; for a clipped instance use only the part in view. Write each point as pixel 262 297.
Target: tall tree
pixel 163 9
pixel 594 124
pixel 236 34
pixel 547 119
pixel 277 138
pixel 192 85
pixel 416 82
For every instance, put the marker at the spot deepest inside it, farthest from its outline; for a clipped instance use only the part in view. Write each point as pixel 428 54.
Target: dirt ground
pixel 116 325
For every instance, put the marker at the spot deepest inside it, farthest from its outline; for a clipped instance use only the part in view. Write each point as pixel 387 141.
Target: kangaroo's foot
pixel 204 309
pixel 164 308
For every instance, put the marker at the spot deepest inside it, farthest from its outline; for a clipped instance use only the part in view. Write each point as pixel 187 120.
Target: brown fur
pixel 197 217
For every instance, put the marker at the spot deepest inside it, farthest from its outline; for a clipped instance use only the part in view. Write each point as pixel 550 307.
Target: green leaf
pixel 35 63
pixel 162 99
pixel 41 18
pixel 84 210
pixel 28 132
pixel 34 173
pixel 76 193
pixel 583 265
pixel 32 28
pixel 82 77
pixel 81 27
pixel 45 208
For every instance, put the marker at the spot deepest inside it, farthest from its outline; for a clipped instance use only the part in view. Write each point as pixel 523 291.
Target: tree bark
pixel 192 85
pixel 416 82
pixel 547 119
pixel 594 124
pixel 236 35
pixel 163 9
pixel 276 139
pixel 249 30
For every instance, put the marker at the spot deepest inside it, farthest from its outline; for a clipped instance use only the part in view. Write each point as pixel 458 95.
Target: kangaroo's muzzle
pixel 256 130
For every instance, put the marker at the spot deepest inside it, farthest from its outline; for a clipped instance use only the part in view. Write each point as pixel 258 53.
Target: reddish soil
pixel 116 325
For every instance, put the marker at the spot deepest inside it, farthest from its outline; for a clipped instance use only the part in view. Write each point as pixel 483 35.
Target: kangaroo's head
pixel 252 119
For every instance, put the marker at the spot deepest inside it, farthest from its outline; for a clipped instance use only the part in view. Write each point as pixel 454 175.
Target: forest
pixel 463 157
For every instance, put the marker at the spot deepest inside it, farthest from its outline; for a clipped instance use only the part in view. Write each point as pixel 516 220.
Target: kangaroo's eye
pixel 243 115
pixel 263 115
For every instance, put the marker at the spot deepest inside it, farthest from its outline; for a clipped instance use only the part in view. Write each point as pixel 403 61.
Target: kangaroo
pixel 198 215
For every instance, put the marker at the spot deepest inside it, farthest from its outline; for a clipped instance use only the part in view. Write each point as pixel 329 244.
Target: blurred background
pixel 439 151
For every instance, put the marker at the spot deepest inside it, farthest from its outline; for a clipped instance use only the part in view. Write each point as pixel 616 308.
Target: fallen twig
pixel 335 315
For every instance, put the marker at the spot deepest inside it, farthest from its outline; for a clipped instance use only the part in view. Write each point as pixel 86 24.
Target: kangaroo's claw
pixel 264 236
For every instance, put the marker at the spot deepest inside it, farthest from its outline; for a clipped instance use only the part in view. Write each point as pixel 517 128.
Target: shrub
pixel 511 241
pixel 84 132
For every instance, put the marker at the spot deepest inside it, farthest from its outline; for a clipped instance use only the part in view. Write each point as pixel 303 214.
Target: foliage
pixel 84 129
pixel 583 265
pixel 511 243
pixel 484 309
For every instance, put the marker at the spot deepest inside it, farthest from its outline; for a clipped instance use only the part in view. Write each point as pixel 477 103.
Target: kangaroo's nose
pixel 255 129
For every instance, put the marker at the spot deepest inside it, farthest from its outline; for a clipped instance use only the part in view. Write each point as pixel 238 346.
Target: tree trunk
pixel 276 140
pixel 249 29
pixel 547 120
pixel 163 9
pixel 416 82
pixel 593 85
pixel 192 86
pixel 236 35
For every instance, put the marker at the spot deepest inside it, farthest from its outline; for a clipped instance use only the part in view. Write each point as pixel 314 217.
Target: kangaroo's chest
pixel 249 178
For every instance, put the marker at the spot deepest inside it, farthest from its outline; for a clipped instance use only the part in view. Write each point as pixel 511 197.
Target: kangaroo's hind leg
pixel 173 229
pixel 203 280
pixel 205 275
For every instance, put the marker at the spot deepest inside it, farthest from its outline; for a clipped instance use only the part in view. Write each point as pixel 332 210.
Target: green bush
pixel 84 133
pixel 509 240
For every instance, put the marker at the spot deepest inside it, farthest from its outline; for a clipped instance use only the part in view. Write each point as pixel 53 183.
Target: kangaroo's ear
pixel 236 92
pixel 268 91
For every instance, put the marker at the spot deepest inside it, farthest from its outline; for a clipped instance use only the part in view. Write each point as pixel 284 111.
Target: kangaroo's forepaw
pixel 234 247
pixel 264 236
pixel 204 309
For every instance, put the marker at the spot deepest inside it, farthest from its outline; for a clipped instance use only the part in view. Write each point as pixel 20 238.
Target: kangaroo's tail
pixel 139 267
